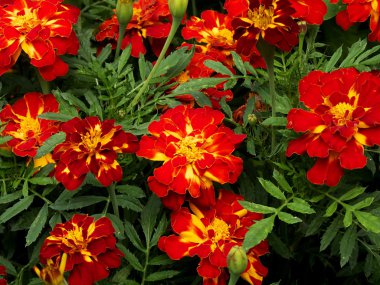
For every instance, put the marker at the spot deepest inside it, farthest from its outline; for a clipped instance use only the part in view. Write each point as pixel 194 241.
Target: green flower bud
pixel 178 8
pixel 252 119
pixel 124 11
pixel 237 260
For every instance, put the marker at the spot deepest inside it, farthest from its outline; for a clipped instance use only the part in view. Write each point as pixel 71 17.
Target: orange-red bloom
pixel 210 234
pixel 151 20
pixel 196 150
pixel 343 116
pixel 91 146
pixel 43 30
pixel 360 11
pixel 28 131
pixel 3 273
pixel 52 274
pixel 275 21
pixel 90 247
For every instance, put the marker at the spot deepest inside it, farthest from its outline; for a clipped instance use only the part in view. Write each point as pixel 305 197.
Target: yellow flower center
pixel 188 147
pixel 92 138
pixel 262 17
pixel 219 35
pixel 183 77
pixel 342 112
pixel 28 127
pixel 25 23
pixel 221 230
pixel 74 239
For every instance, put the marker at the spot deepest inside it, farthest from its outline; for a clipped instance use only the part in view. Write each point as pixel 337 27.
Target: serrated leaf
pixel 257 208
pixel 330 233
pixel 258 232
pixel 279 246
pixel 300 206
pixel 272 189
pixel 133 236
pixel 225 107
pixel 364 203
pixel 275 121
pixel 123 59
pixel 369 221
pixel 314 226
pixel 37 225
pixel 282 181
pixel 4 139
pixel 56 117
pixel 25 188
pixel 17 208
pixel 333 60
pixel 11 270
pixel 218 67
pixel 197 84
pixel 10 197
pixel 161 260
pixel 347 220
pixel 77 203
pixel 131 190
pixel 159 231
pixel 353 193
pixel 104 54
pixel 347 245
pixel 149 216
pixel 74 101
pixel 162 275
pixel 131 258
pixel 239 64
pixel 50 144
pixel 41 180
pixel 331 209
pixel 288 218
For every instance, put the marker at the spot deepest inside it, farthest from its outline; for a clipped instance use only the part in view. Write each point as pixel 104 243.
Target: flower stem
pixel 233 279
pixel 175 24
pixel 267 52
pixel 115 206
pixel 44 84
pixel 120 40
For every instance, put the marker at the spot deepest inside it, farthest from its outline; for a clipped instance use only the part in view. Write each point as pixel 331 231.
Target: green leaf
pixel 239 64
pixel 104 54
pixel 42 180
pixel 275 121
pixel 282 181
pixel 333 60
pixel 333 9
pixel 37 225
pixel 364 203
pixel 257 208
pixel 131 258
pixel 347 220
pixel 218 67
pixel 17 208
pixel 11 270
pixel 288 218
pixel 258 232
pixel 372 61
pixel 10 197
pixel 330 233
pixel 131 190
pixel 314 226
pixel 149 216
pixel 159 231
pixel 347 245
pixel 196 84
pixel 77 203
pixel 331 209
pixel 162 275
pixel 56 117
pixel 279 246
pixel 225 107
pixel 248 110
pixel 74 101
pixel 95 107
pixel 161 260
pixel 123 59
pixel 4 139
pixel 272 189
pixel 369 221
pixel 50 144
pixel 133 236
pixel 300 206
pixel 25 188
pixel 353 193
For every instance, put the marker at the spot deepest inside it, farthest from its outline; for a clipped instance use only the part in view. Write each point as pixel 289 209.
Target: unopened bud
pixel 237 260
pixel 252 119
pixel 303 27
pixel 124 11
pixel 178 8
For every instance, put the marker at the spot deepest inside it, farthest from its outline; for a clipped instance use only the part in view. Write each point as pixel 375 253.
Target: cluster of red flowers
pixel 83 246
pixel 43 30
pixel 343 116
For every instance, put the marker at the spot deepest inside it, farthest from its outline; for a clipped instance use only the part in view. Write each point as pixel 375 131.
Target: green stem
pixel 233 279
pixel 44 84
pixel 173 30
pixel 146 262
pixel 120 40
pixel 115 206
pixel 47 201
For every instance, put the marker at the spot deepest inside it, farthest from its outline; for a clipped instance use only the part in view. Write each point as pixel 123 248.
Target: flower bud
pixel 178 8
pixel 237 260
pixel 252 119
pixel 303 27
pixel 124 11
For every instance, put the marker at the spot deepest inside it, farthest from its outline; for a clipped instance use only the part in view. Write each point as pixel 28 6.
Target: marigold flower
pixel 272 20
pixel 360 11
pixel 343 117
pixel 3 273
pixel 91 146
pixel 52 274
pixel 28 131
pixel 151 20
pixel 90 247
pixel 210 234
pixel 43 30
pixel 196 150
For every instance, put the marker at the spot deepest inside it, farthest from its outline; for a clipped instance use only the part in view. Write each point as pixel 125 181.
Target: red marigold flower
pixel 360 11
pixel 90 247
pixel 214 33
pixel 43 30
pixel 151 19
pixel 210 234
pixel 52 274
pixel 196 150
pixel 272 20
pixel 343 116
pixel 91 146
pixel 3 273
pixel 28 131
